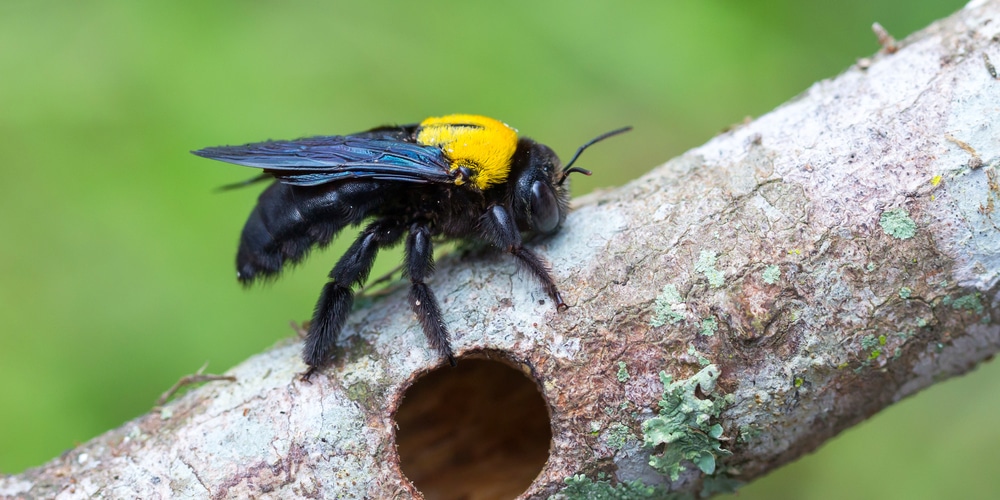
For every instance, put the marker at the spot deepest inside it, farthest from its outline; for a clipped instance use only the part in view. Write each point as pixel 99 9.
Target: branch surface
pixel 798 273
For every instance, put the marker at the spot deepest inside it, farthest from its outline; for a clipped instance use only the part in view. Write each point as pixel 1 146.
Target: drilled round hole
pixel 477 431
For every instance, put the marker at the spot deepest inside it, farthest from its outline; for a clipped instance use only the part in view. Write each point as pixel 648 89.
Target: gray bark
pixel 830 258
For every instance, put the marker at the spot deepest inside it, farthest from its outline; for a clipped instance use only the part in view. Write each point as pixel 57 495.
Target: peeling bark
pixel 829 258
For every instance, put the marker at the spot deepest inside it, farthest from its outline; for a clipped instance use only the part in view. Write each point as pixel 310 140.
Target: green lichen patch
pixel 706 265
pixel 749 433
pixel 970 302
pixel 708 327
pixel 702 360
pixel 580 487
pixel 354 348
pixel 669 307
pixel 898 224
pixel 869 342
pixel 359 392
pixel 771 274
pixel 873 345
pixel 683 431
pixel 618 435
pixel 622 374
pixel 365 385
pixel 905 293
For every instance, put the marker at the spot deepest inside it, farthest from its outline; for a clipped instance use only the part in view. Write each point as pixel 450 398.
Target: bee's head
pixel 541 190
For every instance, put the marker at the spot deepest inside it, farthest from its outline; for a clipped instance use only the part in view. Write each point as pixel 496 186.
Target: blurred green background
pixel 116 256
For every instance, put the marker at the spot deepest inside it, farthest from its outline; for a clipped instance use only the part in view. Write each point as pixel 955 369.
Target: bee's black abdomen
pixel 289 220
pixel 256 256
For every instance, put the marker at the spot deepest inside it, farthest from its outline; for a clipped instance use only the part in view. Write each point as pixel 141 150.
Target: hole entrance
pixel 477 431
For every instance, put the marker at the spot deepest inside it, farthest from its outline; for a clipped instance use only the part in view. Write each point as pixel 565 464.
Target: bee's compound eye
pixel 544 208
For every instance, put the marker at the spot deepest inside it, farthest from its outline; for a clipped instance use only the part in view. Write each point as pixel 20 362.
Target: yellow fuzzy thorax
pixel 483 145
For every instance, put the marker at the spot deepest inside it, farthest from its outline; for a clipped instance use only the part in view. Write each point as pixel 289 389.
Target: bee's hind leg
pixel 338 296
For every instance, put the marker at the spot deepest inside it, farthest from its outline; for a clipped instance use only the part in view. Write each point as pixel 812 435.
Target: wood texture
pixel 829 259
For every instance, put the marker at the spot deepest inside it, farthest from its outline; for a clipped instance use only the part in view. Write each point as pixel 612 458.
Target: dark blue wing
pixel 319 160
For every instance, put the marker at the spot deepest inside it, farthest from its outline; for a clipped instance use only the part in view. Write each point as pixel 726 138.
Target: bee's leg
pixel 337 297
pixel 419 265
pixel 500 229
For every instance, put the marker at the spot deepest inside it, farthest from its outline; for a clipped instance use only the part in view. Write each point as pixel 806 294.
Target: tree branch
pixel 802 272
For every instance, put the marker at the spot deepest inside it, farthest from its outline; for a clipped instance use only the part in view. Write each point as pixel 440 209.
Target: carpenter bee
pixel 450 177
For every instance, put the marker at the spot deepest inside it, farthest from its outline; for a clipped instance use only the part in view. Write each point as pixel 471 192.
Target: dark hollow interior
pixel 477 431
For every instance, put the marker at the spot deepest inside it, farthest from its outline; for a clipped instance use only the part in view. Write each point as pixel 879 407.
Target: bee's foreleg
pixel 500 229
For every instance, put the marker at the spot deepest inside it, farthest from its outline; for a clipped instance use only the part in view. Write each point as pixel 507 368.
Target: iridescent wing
pixel 319 160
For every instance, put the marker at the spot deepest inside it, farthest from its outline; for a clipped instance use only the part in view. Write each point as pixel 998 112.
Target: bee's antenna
pixel 569 168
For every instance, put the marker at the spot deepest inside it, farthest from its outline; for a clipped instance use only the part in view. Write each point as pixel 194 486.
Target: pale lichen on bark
pixel 773 237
